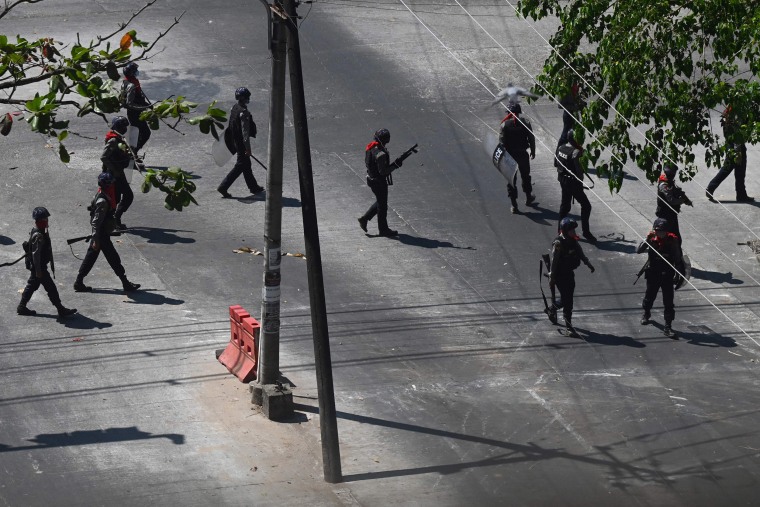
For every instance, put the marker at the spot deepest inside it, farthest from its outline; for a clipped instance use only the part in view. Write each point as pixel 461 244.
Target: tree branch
pixel 35 79
pixel 161 35
pixel 8 8
pixel 123 25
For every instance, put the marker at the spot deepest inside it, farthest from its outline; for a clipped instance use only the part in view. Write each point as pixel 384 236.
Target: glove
pixel 590 267
pixel 532 155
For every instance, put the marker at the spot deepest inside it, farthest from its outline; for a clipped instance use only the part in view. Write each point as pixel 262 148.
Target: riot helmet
pixel 670 172
pixel 105 179
pixel 660 224
pixel 383 136
pixel 514 108
pixel 40 213
pixel 243 94
pixel 130 69
pixel 119 124
pixel 567 224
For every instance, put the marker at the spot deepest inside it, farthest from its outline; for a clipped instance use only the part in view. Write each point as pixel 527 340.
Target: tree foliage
pixel 51 84
pixel 665 65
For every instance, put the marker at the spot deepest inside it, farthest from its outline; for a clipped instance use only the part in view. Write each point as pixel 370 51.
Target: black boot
pixel 79 286
pixel 551 312
pixel 21 309
pixel 64 312
pixel 129 286
pixel 363 223
pixel 589 237
pixel 515 210
pixel 570 330
pixel 645 318
pixel 668 331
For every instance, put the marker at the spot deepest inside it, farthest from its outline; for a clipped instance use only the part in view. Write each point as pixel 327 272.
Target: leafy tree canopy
pixel 81 79
pixel 665 65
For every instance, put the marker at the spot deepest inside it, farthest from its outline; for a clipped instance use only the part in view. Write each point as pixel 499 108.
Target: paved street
pixel 452 388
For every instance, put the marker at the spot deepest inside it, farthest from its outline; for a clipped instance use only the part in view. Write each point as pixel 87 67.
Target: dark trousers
pixel 124 195
pixel 565 284
pixel 242 166
pixel 142 127
pixel 573 189
pixel 523 165
pixel 380 207
pixel 112 256
pixel 34 283
pixel 655 282
pixel 739 169
pixel 568 122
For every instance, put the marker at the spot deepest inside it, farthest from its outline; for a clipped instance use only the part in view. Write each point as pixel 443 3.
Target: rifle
pixel 12 263
pixel 52 260
pixel 641 271
pixel 400 160
pixel 551 312
pixel 89 237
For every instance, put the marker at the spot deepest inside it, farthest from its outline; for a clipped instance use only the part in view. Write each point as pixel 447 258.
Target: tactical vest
pixel 568 256
pixel 236 126
pixel 566 160
pixel 370 161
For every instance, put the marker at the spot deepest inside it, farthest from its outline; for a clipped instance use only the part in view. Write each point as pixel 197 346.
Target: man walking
pixel 379 169
pixel 237 136
pixel 570 175
pixel 517 137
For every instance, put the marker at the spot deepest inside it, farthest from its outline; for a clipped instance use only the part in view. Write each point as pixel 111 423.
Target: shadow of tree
pixel 160 235
pixel 76 438
pixel 5 241
pixel 427 242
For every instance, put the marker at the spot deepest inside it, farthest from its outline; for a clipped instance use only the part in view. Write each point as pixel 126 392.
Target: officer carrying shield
pixel 238 139
pixel 517 137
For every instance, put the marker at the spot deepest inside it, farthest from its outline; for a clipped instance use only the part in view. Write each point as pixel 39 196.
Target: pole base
pixel 276 401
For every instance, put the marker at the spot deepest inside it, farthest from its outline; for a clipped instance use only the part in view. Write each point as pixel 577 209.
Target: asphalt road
pixel 452 386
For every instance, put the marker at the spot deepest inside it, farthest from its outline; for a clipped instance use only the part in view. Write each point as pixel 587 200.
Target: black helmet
pixel 515 108
pixel 119 124
pixel 670 171
pixel 105 179
pixel 571 137
pixel 242 93
pixel 40 213
pixel 130 69
pixel 383 136
pixel 567 224
pixel 660 224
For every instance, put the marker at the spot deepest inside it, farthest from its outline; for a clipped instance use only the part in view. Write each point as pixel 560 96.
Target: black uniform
pixel 658 274
pixel 103 224
pixel 570 105
pixel 39 256
pixel 736 161
pixel 116 158
pixel 567 255
pixel 670 197
pixel 379 169
pixel 517 137
pixel 570 176
pixel 136 102
pixel 241 128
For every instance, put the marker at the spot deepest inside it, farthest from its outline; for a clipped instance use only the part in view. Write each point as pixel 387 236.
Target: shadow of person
pixel 79 321
pixel 608 339
pixel 428 243
pixel 705 337
pixel 616 242
pixel 160 235
pixel 5 241
pixel 715 277
pixel 149 297
pixel 542 216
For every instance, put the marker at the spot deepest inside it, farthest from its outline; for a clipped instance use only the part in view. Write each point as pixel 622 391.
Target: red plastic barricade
pixel 240 355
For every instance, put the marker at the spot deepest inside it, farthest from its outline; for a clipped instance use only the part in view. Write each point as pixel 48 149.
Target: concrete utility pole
pixel 327 414
pixel 269 340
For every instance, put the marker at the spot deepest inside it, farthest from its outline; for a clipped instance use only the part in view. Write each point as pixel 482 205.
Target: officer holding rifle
pixel 379 169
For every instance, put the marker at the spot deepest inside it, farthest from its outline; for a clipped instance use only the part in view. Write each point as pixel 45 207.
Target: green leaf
pixel 63 135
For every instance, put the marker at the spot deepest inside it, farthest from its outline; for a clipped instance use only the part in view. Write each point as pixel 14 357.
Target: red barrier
pixel 240 355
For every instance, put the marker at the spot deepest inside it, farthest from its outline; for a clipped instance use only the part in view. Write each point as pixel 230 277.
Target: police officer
pixel 517 137
pixel 570 104
pixel 102 221
pixel 670 197
pixel 116 157
pixel 379 169
pixel 665 253
pixel 570 175
pixel 240 129
pixel 736 160
pixel 39 254
pixel 567 255
pixel 136 102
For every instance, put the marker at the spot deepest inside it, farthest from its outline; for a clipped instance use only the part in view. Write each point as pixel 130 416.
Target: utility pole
pixel 269 339
pixel 326 393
